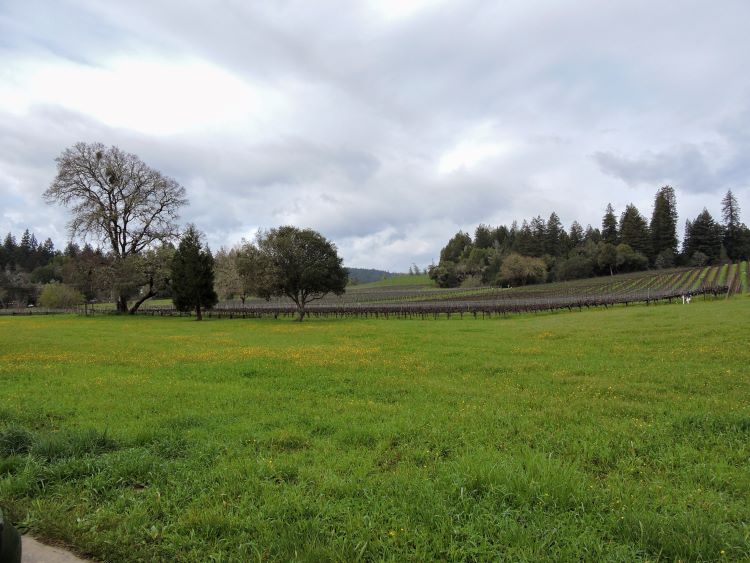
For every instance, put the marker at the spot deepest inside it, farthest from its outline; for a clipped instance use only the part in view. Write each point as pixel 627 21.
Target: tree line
pixel 130 211
pixel 542 250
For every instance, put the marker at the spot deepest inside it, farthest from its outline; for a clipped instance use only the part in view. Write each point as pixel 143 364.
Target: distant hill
pixel 364 275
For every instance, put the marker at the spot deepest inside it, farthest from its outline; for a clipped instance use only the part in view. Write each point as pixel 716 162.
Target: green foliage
pixel 300 264
pixel 665 259
pixel 193 274
pixel 703 235
pixel 634 231
pixel 456 247
pixel 521 270
pixel 629 260
pixel 574 268
pixel 565 437
pixel 610 233
pixel 663 226
pixel 606 257
pixel 483 237
pixel 554 234
pixel 736 236
pixel 59 296
pixel 576 237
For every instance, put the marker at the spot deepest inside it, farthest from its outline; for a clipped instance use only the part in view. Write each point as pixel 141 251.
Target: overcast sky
pixel 387 125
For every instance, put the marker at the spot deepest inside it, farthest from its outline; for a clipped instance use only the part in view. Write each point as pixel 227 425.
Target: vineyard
pixel 422 299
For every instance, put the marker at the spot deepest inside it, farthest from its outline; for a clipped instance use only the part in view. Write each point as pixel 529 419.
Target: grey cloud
pixel 590 96
pixel 684 166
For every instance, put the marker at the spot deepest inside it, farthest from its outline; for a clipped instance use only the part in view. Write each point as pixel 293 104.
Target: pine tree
pixel 663 225
pixel 457 247
pixel 733 231
pixel 483 237
pixel 523 243
pixel 538 236
pixel 576 235
pixel 193 275
pixel 553 243
pixel 634 230
pixel 609 226
pixel 703 235
pixel 501 237
pixel 592 235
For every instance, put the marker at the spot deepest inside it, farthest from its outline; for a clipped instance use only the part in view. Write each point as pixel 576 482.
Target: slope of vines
pixel 403 300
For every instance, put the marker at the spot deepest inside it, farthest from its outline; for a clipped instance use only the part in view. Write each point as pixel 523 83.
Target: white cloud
pixel 386 125
pixel 151 96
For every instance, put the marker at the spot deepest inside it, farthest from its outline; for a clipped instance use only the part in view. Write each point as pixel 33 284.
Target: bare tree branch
pixel 115 198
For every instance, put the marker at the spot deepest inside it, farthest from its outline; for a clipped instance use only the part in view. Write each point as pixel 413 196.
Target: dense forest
pixel 27 266
pixel 542 250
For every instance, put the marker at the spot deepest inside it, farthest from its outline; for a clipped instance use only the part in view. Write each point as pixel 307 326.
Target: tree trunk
pixel 198 314
pixel 149 294
pixel 138 303
pixel 122 304
pixel 301 312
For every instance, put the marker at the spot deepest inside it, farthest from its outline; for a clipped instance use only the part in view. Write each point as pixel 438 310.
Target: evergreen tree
pixel 576 235
pixel 553 242
pixel 501 236
pixel 25 251
pixel 733 228
pixel 523 243
pixel 47 250
pixel 592 235
pixel 703 235
pixel 459 245
pixel 634 231
pixel 663 225
pixel 538 236
pixel 193 275
pixel 71 250
pixel 609 226
pixel 10 251
pixel 483 237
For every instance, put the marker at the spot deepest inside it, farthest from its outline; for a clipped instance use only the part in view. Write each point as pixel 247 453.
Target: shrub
pixel 59 296
pixel 522 270
pixel 575 267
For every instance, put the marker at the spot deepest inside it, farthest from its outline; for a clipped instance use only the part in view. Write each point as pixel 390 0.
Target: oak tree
pixel 117 199
pixel 300 264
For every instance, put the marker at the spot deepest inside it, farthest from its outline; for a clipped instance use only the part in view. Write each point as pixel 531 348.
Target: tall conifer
pixel 193 275
pixel 663 225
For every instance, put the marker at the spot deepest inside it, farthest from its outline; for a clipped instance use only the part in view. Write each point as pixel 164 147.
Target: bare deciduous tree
pixel 117 199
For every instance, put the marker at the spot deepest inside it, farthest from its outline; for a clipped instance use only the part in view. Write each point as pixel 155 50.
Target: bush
pixel 665 259
pixel 59 296
pixel 698 259
pixel 574 268
pixel 522 270
pixel 446 275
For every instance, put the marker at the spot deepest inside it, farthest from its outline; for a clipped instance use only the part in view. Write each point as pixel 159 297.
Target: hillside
pixel 367 275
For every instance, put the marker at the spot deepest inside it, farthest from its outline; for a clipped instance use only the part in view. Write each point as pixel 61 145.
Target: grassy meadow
pixel 620 435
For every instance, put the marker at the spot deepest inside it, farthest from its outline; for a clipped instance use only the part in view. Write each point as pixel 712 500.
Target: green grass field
pixel 620 434
pixel 398 280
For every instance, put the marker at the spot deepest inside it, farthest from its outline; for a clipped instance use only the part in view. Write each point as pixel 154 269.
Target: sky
pixel 387 125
